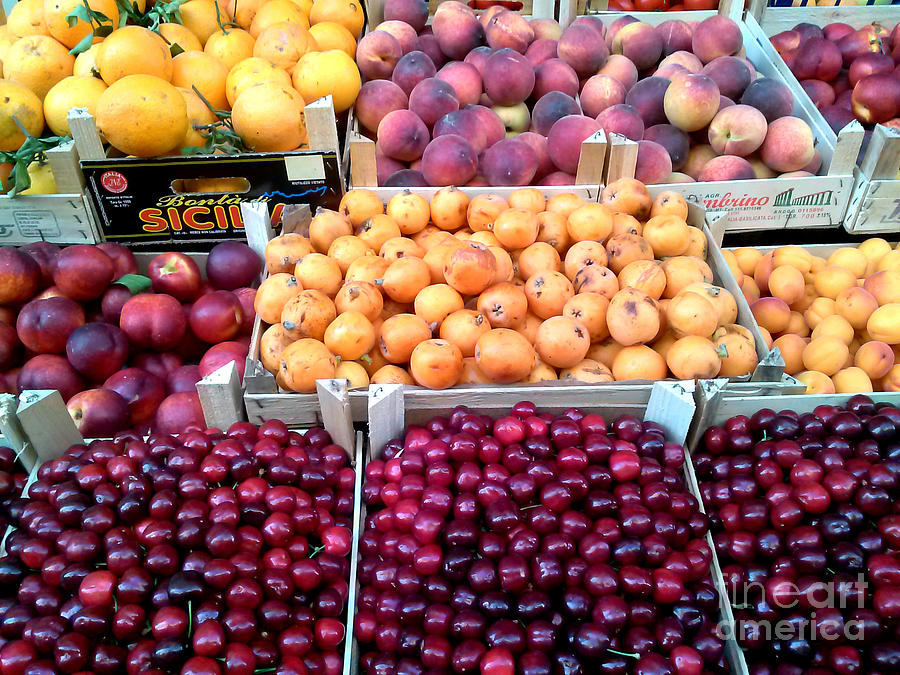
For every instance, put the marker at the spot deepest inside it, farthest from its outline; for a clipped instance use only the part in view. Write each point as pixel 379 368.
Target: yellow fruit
pixel 42 180
pixel 231 47
pixel 176 34
pixel 243 11
pixel 319 74
pixel 884 323
pixel 23 104
pixel 851 380
pixel 198 114
pixel 199 17
pixel 277 11
pixel 874 249
pixel 56 11
pixel 269 118
pixel 816 382
pixel 354 373
pixel 86 62
pixel 72 92
pixel 331 35
pixel 253 71
pixel 6 40
pixel 304 5
pixel 133 50
pixel 199 69
pixel 284 43
pixel 142 115
pixel 851 258
pixel 37 62
pixel 345 12
pixel 27 18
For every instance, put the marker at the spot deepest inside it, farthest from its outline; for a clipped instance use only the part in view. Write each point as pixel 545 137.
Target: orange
pixel 71 92
pixel 158 105
pixel 133 50
pixel 230 47
pixel 27 18
pixel 319 74
pixel 199 69
pixel 176 34
pixel 277 11
pixel 269 118
pixel 21 102
pixel 331 35
pixel 56 11
pixel 6 40
pixel 37 62
pixel 199 17
pixel 252 71
pixel 345 12
pixel 243 11
pixel 198 115
pixel 86 62
pixel 284 43
pixel 305 5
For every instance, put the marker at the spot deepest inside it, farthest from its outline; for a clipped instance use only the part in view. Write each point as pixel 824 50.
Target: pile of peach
pixel 490 290
pixel 836 321
pixel 496 99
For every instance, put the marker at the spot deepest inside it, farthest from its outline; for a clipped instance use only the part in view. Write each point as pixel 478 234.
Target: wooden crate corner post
pixel 622 158
pixel 672 406
pixel 84 132
pixel 592 160
pixel 882 158
pixel 66 171
pixel 46 423
pixel 386 415
pixel 221 397
pixel 14 435
pixel 321 125
pixel 363 170
pixel 846 150
pixel 334 402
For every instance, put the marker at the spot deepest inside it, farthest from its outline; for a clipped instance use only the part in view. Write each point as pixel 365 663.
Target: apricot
pixel 874 250
pixel 590 310
pixel 875 358
pixel 632 317
pixel 851 258
pixel 284 252
pixel 505 305
pixel 516 228
pixel 369 268
pixel 884 323
pixel 851 380
pixel 690 313
pixel 797 325
pixel 825 354
pixel 391 374
pixel 596 279
pixel 538 257
pixel 891 381
pixel 682 271
pixel 553 230
pixel 562 341
pixel 350 336
pixel 816 382
pixel 436 364
pixel 809 296
pixel 692 357
pixel 747 259
pixel 668 235
pixel 318 272
pixel 272 342
pixel 750 290
pixel 773 314
pixel 359 205
pixel 346 249
pixel 565 203
pixel 548 293
pixel 830 281
pixel 470 269
pixel 582 254
pixel 588 371
pixel 856 306
pixel 410 211
pixel 818 310
pixel 463 328
pixel 786 283
pixel 638 362
pixel 308 314
pixel 305 361
pixel 605 351
pixel 529 199
pixel 763 269
pixel 591 222
pixel 884 286
pixel 325 227
pixel 504 355
pixel 448 208
pixel 434 303
pixel 795 256
pixel 273 294
pixel 626 248
pixel 791 348
pixel 889 262
pixel 736 350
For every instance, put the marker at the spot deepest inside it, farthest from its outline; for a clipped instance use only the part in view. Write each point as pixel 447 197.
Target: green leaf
pixel 175 50
pixel 136 283
pixel 80 13
pixel 83 46
pixel 103 31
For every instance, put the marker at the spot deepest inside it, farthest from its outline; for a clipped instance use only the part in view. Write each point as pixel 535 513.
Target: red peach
pixel 464 123
pixel 402 32
pixel 50 371
pixel 673 139
pixel 676 35
pixel 184 378
pixel 411 69
pixel 175 274
pixel 599 93
pixel 413 12
pixel 869 64
pixel 179 411
pixel 540 51
pixel 876 98
pixel 821 93
pixel 153 321
pixel 508 29
pixel 580 48
pixel 737 130
pixel 620 68
pixel 216 317
pixel 141 390
pixel 465 80
pixel 123 259
pixel 449 160
pixel 817 59
pixel 98 413
pixel 856 44
pixel 835 31
pixel 97 350
pixel 565 138
pixel 730 74
pixel 429 44
pixel 684 59
pixel 44 254
pixel 457 29
pixel 478 57
pixel 726 167
pixel 808 31
pixel 386 167
pixel 772 98
pixel 591 21
pixel 491 122
pixel 20 276
pixel 406 178
pixel 639 42
pixel 837 117
pixel 402 135
pixel 431 99
pixel 45 325
pixel 546 29
pixel 653 163
pixel 377 53
pixel 786 40
pixel 83 272
pixel 698 157
pixel 691 101
pixel 558 178
pixel 716 36
pixel 158 364
pixel 508 77
pixel 789 145
pixel 647 97
pixel 376 99
pixel 232 264
pixel 113 300
pixel 622 119
pixel 509 162
pixel 551 107
pixel 554 75
pixel 617 25
pixel 538 143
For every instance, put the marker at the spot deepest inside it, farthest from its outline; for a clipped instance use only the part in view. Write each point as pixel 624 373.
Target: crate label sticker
pixel 113 181
pixel 43 217
pixel 304 168
pixel 36 223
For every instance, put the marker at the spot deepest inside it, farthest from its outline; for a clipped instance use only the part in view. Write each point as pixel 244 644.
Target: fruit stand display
pixel 849 74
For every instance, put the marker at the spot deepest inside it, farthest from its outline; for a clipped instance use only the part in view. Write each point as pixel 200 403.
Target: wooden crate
pixel 669 404
pixel 531 9
pixel 777 19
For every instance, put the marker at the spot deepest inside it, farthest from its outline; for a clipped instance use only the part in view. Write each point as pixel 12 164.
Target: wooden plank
pixel 321 125
pixel 846 149
pixel 351 660
pixel 220 397
pixel 257 226
pixel 778 19
pixel 46 423
pixel 66 170
pixel 14 435
pixel 334 401
pixel 882 160
pixel 60 219
pixel 363 170
pixel 386 414
pixel 875 207
pixel 622 158
pixel 672 406
pixel 84 131
pixel 591 161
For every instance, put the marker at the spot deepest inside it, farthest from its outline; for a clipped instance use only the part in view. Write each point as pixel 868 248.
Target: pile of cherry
pixel 806 515
pixel 210 553
pixel 537 545
pixel 12 481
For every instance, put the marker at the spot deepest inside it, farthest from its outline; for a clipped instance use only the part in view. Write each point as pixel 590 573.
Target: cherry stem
pixel 629 654
pixel 316 551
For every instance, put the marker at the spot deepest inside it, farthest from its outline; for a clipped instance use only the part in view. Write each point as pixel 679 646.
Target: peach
pixel 760 168
pixel 515 118
pixel 737 130
pixel 670 71
pixel 97 350
pixel 449 160
pixel 716 36
pixel 411 69
pixel 491 123
pixel 141 390
pixel 772 98
pixel 232 265
pixel 786 40
pixel 773 314
pixel 45 254
pixel 685 59
pixel 726 167
pixel 508 29
pixel 428 43
pixel 377 53
pixel 565 138
pixel 404 34
pixel 558 178
pixel 554 75
pixel 465 80
pixel 509 162
pixel 691 102
pixel 538 143
pixel 376 99
pixel 406 178
pixel 50 371
pixel 153 320
pixel 653 163
pixel 457 29
pixel 178 412
pixel 20 276
pixel 175 274
pixel 814 164
pixel 622 119
pixel 413 12
pixel 580 47
pixel 403 136
pixel 616 26
pixel 697 158
pixel 508 77
pixel 789 145
pixel 599 93
pixel 730 74
pixel 464 123
pixel 821 93
pixel 183 378
pixel 546 29
pixel 478 57
pixel 431 99
pixel 676 36
pixel 550 108
pixel 591 21
pixel 869 64
pixel 45 325
pixel 620 68
pixel 540 51
pixel 222 354
pixel 99 412
pixel 82 272
pixel 817 59
pixel 648 96
pixel 639 42
pixel 385 167
pixel 673 139
pixel 876 98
